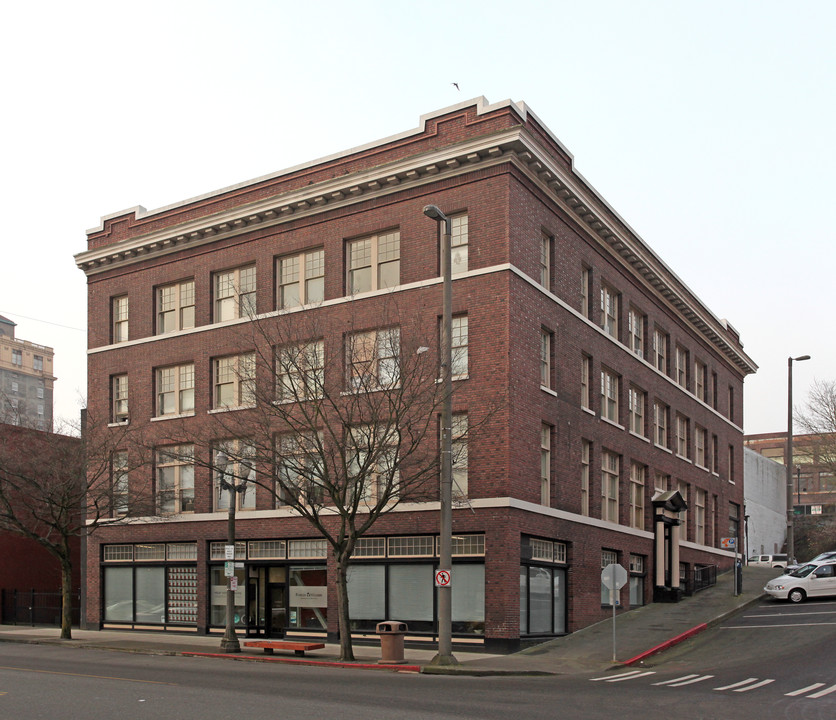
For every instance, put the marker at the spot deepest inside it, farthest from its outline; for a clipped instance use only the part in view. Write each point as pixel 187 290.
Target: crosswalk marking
pixel 632 675
pixel 814 686
pixel 691 682
pixel 755 686
pixel 673 680
pixel 822 693
pixel 737 684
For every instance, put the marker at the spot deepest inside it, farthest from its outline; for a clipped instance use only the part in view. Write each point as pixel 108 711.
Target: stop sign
pixel 614 577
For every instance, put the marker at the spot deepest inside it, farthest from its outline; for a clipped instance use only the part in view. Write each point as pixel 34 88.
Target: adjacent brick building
pixel 26 380
pixel 598 379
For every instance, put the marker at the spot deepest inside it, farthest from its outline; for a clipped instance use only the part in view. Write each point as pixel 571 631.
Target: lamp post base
pixel 230 645
pixel 443 660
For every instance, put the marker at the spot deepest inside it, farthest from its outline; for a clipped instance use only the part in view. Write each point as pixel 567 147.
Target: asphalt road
pixel 772 660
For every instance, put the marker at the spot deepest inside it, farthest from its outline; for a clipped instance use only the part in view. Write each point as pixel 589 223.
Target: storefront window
pixel 469 598
pixel 150 595
pixel 542 600
pixel 219 588
pixel 411 595
pixel 367 596
pixel 118 594
pixel 309 598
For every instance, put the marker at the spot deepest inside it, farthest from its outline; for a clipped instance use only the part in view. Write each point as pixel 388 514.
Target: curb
pixel 306 661
pixel 667 644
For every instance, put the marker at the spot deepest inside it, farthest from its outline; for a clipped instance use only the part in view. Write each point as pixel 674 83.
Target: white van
pixel 775 561
pixel 810 580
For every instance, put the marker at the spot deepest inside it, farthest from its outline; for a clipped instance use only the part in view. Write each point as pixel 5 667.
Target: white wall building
pixel 765 495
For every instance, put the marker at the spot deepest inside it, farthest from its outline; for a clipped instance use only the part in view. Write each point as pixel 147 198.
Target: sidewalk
pixel 637 632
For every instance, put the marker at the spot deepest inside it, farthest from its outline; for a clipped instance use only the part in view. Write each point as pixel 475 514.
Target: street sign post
pixel 613 577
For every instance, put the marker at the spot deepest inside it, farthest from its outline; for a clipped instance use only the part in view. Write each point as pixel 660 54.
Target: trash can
pixel 391 642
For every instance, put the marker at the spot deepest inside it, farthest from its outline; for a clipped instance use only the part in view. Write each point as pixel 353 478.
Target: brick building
pixel 609 384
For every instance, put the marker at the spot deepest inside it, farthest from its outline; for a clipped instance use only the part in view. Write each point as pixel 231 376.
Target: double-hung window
pixel 234 381
pixel 660 424
pixel 637 479
pixel 300 371
pixel 301 279
pixel 681 369
pixel 609 395
pixel 546 358
pixel 17 356
pixel 545 464
pixel 635 330
pixel 586 292
pixel 175 390
pixel 660 350
pixel 638 400
pixel 119 312
pixel 586 453
pixel 700 438
pixel 699 515
pixel 374 262
pixel 609 310
pixel 175 307
pixel 235 293
pixel 300 477
pixel 460 455
pixel 609 486
pixel 373 467
pixel 682 444
pixel 119 390
pixel 458 244
pixel 545 260
pixel 175 479
pixel 586 376
pixel 38 363
pixel 119 483
pixel 458 346
pixel 700 379
pixel 373 359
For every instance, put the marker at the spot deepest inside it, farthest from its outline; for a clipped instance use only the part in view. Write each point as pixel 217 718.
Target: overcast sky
pixel 710 127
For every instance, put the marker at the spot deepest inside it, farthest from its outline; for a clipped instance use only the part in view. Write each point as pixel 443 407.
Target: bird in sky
pixel 455 85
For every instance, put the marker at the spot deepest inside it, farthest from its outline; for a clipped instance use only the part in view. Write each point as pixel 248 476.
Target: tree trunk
pixel 66 598
pixel 346 649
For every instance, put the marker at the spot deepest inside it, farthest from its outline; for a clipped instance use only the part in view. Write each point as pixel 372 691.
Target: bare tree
pixel 58 487
pixel 340 422
pixel 818 421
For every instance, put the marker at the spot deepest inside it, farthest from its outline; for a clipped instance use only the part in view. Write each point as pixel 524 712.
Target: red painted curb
pixel 667 644
pixel 303 661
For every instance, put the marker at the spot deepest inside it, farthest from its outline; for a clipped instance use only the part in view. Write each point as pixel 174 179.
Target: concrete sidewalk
pixel 638 632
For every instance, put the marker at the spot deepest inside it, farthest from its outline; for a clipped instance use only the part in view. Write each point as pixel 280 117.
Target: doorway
pixel 267 602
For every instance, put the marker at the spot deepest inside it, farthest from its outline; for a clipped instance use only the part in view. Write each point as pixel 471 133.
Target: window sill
pixel 612 422
pixel 589 411
pixel 663 448
pixel 215 411
pixel 640 437
pixel 701 467
pixel 548 390
pixel 158 418
pixel 120 423
pixel 684 459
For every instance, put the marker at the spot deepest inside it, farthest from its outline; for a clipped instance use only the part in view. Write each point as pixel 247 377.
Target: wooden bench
pixel 298 647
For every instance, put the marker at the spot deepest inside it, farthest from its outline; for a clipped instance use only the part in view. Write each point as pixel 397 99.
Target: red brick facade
pixel 516 184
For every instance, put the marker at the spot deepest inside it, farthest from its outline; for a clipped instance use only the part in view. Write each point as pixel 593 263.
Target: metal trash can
pixel 391 642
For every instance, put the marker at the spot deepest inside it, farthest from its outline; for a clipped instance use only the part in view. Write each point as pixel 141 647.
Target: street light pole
pixel 789 464
pixel 445 592
pixel 229 642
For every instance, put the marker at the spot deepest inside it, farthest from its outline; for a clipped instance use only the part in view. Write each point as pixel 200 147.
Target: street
pixel 771 659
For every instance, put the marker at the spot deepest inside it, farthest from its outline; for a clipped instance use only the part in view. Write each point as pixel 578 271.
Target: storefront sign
pixel 308 596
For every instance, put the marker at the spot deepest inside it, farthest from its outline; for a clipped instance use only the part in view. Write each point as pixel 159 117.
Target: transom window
pixel 301 279
pixel 175 390
pixel 373 263
pixel 175 307
pixel 235 293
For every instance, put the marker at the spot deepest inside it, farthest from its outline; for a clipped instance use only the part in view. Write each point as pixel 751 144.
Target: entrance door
pixel 276 610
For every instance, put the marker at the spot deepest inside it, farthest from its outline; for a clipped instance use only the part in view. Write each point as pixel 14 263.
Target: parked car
pixel 775 561
pixel 816 579
pixel 829 555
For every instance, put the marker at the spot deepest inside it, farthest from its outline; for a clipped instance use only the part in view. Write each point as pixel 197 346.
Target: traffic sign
pixel 229 552
pixel 229 568
pixel 614 576
pixel 443 578
pixel 728 543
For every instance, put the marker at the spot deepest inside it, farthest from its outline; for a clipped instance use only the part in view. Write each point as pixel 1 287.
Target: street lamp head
pixel 221 461
pixel 803 357
pixel 433 212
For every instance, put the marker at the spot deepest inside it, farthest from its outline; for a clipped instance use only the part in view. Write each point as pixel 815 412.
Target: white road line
pixel 786 614
pixel 695 680
pixel 632 677
pixel 736 685
pixel 755 686
pixel 684 677
pixel 795 693
pixel 794 625
pixel 622 676
pixel 822 693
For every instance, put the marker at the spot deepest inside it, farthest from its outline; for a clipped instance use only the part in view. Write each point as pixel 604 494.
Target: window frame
pixel 119 407
pixel 610 310
pixel 660 350
pixel 586 382
pixel 681 362
pixel 310 267
pixel 661 422
pixel 300 371
pixel 546 364
pixel 459 342
pixel 586 474
pixel 183 488
pixel 240 375
pixel 377 268
pixel 241 456
pixel 183 291
pixel 610 391
pixel 610 471
pixel 382 364
pixel 637 404
pixel 683 440
pixel 239 299
pixel 459 243
pixel 545 464
pixel 120 314
pixel 183 387
pixel 635 331
pixel 546 245
pixel 638 480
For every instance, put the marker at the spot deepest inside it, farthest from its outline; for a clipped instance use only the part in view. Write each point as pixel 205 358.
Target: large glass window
pixel 468 598
pixel 217 608
pixel 309 598
pixel 542 600
pixel 175 479
pixel 150 594
pixel 367 596
pixel 411 595
pixel 118 594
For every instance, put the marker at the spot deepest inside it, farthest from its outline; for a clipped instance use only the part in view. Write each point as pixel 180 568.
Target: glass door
pixel 277 610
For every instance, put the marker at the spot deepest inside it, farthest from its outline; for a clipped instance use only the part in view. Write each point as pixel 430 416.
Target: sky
pixel 710 127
